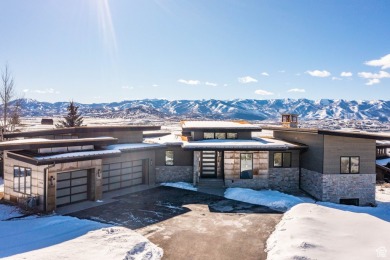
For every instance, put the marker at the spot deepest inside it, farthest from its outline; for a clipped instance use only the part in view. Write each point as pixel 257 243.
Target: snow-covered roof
pixel 219 125
pixel 254 144
pixel 172 139
pixel 133 146
pixel 382 142
pixel 76 155
pixel 383 162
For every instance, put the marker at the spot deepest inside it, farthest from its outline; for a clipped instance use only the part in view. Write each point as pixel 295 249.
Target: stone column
pixel 196 167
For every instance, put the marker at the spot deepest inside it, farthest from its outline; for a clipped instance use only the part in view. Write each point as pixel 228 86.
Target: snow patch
pixel 273 199
pixel 7 212
pixel 180 185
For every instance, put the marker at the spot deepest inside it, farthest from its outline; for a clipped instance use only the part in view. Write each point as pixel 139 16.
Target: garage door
pixel 122 175
pixel 72 187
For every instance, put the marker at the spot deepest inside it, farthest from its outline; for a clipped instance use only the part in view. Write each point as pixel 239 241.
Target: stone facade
pixel 349 186
pixel 311 182
pixel 284 179
pixel 174 173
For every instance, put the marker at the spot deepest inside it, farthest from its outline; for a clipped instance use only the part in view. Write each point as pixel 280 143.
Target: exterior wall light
pixel 51 181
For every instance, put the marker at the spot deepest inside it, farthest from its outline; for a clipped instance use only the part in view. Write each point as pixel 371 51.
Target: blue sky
pixel 112 50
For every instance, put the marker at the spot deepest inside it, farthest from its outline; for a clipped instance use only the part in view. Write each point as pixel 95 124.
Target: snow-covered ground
pixel 180 185
pixel 63 237
pixel 324 230
pixel 7 212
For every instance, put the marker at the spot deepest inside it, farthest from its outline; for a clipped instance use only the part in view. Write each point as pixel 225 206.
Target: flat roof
pixel 354 134
pixel 81 129
pixel 39 159
pixel 258 144
pixel 218 125
pixel 36 143
pixel 134 147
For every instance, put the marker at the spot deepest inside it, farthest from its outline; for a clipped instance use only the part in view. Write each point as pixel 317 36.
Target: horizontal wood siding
pixel 312 158
pixel 337 146
pixel 180 157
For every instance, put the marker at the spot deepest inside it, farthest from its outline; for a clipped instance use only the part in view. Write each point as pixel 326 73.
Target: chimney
pixel 290 120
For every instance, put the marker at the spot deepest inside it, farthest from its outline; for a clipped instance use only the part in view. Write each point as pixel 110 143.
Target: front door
pixel 209 164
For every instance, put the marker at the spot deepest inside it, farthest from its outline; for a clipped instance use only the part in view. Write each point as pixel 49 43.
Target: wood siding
pixel 337 146
pixel 312 158
pixel 180 157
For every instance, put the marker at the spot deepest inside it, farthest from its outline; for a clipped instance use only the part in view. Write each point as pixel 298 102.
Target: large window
pixel 282 160
pixel 169 158
pixel 246 166
pixel 231 135
pixel 219 135
pixel 22 179
pixel 349 164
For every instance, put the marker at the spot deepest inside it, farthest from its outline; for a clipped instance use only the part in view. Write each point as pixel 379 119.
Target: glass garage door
pixel 72 187
pixel 122 175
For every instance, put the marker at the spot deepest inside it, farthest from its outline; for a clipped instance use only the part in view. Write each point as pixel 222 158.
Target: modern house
pixel 63 166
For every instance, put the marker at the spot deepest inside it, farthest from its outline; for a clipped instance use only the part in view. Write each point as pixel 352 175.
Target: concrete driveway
pixel 191 225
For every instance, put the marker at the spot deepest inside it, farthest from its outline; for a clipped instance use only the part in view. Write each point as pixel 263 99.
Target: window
pixel 354 202
pixel 246 166
pixel 169 158
pixel 282 160
pixel 22 179
pixel 231 135
pixel 220 135
pixel 349 164
pixel 208 135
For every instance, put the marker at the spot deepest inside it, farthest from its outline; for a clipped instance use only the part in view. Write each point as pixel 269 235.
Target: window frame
pixel 22 188
pixel 282 160
pixel 173 158
pixel 232 133
pixel 204 137
pixel 241 154
pixel 350 165
pixel 220 133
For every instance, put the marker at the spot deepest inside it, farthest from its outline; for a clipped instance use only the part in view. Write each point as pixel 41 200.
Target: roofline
pixel 331 132
pixel 102 141
pixel 33 161
pixel 238 129
pixel 242 149
pixel 82 129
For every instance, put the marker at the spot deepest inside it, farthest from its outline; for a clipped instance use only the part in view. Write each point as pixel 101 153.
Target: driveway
pixel 191 225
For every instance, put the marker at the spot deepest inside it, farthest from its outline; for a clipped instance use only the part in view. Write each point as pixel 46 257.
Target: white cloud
pixel 26 90
pixel 296 90
pixel 318 73
pixel 263 92
pixel 282 71
pixel 374 78
pixel 371 82
pixel 246 79
pixel 265 74
pixel 211 84
pixel 383 62
pixel 346 74
pixel 155 85
pixel 336 78
pixel 45 91
pixel 369 75
pixel 225 85
pixel 189 82
pixel 127 87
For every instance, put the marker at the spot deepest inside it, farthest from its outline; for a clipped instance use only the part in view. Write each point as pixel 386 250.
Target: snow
pixel 383 162
pixel 259 143
pixel 180 185
pixel 64 237
pixel 218 124
pixel 172 139
pixel 273 199
pixel 133 146
pixel 7 212
pixel 76 155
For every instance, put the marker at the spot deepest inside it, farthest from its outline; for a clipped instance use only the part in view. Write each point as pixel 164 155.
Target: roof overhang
pixel 135 147
pixel 64 158
pixel 82 129
pixel 242 145
pixel 34 144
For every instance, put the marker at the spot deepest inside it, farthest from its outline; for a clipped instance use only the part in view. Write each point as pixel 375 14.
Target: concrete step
pixel 217 183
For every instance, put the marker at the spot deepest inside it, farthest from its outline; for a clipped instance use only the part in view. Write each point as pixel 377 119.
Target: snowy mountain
pixel 248 109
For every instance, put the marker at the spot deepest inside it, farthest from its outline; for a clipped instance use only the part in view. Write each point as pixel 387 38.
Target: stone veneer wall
pixel 311 182
pixel 284 179
pixel 174 173
pixel 349 186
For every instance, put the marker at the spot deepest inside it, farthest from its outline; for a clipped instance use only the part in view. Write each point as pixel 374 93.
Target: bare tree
pixel 7 92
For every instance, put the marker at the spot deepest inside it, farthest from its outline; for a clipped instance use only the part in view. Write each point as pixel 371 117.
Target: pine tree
pixel 73 118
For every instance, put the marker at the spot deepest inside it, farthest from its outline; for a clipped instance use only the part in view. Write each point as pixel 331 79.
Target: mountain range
pixel 247 109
